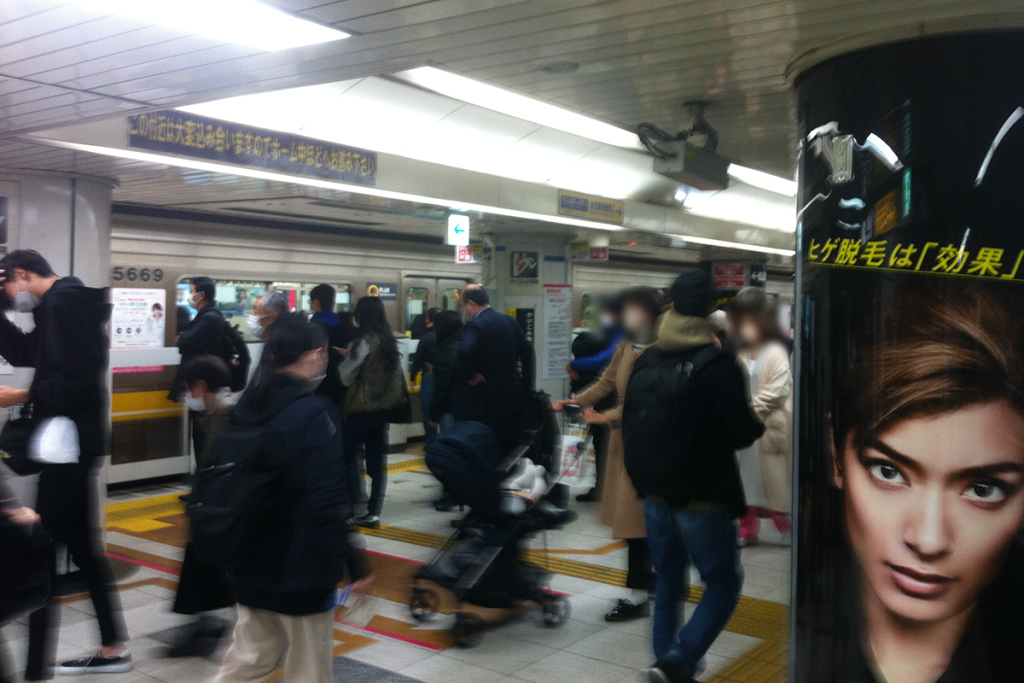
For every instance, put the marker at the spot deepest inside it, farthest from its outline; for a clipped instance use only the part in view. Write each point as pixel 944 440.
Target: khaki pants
pixel 262 637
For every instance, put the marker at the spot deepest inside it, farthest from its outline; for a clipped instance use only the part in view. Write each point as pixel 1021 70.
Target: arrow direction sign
pixel 458 230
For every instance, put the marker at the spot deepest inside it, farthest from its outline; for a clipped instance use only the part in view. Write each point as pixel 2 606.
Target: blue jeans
pixel 708 540
pixel 426 396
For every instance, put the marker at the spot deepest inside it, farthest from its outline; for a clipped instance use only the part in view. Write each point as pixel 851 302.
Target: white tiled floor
pixel 587 648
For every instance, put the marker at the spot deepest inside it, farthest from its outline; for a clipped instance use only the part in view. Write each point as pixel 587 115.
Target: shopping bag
pixel 55 442
pixel 575 458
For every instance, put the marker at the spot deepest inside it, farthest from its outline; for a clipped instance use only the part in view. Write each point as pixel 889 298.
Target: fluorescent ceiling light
pixel 765 181
pixel 227 169
pixel 737 245
pixel 520 106
pixel 244 22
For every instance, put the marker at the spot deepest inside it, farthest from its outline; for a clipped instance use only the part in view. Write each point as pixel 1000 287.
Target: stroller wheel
pixel 423 604
pixel 557 612
pixel 466 630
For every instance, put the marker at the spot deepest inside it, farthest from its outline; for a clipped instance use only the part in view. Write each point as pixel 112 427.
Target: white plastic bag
pixel 55 442
pixel 577 465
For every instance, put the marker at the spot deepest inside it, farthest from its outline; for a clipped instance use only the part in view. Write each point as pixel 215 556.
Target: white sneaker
pixel 95 664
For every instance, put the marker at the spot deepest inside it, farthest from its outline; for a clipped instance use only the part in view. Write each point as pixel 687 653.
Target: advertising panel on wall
pixel 910 365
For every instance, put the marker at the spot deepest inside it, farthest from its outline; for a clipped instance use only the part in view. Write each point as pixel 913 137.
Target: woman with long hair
pixel 285 607
pixel 927 459
pixel 622 508
pixel 372 371
pixel 766 467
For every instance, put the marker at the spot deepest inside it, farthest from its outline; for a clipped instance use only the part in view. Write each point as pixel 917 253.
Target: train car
pixel 154 254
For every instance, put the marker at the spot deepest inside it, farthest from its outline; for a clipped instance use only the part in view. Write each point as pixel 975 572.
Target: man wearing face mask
pixel 68 349
pixel 204 587
pixel 206 335
pixel 268 308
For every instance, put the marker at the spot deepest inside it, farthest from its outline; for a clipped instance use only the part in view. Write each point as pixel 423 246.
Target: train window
pixel 415 309
pixel 590 310
pixel 235 300
pixel 450 299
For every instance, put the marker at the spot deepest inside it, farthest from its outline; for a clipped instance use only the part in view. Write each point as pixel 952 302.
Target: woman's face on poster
pixel 932 505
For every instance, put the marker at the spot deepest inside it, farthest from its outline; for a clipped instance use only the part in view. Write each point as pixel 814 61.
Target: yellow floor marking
pixel 406 465
pixel 768 621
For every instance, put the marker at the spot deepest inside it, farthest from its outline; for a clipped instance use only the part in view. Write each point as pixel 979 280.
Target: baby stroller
pixel 508 500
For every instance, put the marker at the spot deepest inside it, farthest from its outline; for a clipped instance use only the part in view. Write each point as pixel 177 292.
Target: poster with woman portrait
pixel 910 365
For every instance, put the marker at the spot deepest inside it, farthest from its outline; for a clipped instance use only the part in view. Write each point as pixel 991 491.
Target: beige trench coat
pixel 621 508
pixel 773 403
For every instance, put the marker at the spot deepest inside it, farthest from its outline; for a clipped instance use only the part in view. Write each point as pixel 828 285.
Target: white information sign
pixel 557 330
pixel 139 318
pixel 458 230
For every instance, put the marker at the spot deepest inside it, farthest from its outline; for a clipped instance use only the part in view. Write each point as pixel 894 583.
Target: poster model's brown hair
pixel 929 355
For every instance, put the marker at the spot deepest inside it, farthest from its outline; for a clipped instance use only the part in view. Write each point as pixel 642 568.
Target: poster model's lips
pixel 919 584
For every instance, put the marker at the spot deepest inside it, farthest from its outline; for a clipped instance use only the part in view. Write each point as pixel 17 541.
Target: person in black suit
pixel 494 370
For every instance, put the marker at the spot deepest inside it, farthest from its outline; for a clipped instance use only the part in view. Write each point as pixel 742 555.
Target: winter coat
pixel 316 543
pixel 332 387
pixel 445 357
pixel 773 403
pixel 68 349
pixel 206 334
pixel 622 509
pixel 723 422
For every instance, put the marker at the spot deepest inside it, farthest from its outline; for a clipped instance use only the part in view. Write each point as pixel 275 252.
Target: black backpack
pixel 238 498
pixel 659 417
pixel 236 353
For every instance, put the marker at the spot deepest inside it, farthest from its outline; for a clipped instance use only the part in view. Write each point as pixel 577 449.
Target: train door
pixel 423 293
pixel 420 294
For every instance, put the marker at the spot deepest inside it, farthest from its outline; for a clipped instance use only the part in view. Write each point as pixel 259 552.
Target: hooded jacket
pixel 68 349
pixel 724 420
pixel 315 543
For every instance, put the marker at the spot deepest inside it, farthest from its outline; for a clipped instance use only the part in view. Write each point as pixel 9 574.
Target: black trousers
pixel 639 571
pixel 65 503
pixel 368 431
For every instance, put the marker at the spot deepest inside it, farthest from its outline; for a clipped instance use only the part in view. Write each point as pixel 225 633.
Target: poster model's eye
pixel 886 472
pixel 986 492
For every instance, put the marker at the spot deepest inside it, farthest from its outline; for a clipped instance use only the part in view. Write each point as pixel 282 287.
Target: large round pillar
pixel 910 294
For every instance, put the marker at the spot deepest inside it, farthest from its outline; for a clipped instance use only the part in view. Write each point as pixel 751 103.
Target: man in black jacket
pixel 68 349
pixel 691 515
pixel 422 360
pixel 206 334
pixel 494 369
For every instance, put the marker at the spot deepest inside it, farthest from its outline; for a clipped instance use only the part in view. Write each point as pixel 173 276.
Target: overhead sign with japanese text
pixel 458 230
pixel 199 137
pixel 590 207
pixel 582 253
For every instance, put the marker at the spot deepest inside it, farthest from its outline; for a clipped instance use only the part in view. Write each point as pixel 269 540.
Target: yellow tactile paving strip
pixel 769 621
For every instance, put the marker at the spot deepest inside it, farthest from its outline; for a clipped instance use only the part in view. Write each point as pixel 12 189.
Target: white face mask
pixel 196 404
pixel 313 382
pixel 255 328
pixel 196 298
pixel 606 320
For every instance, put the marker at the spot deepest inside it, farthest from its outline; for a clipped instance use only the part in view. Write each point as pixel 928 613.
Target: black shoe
pixel 627 610
pixel 589 497
pixel 668 671
pixel 95 664
pixel 185 497
pixel 444 504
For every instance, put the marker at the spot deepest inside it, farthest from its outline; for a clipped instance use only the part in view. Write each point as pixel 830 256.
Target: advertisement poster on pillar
pixel 910 400
pixel 138 319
